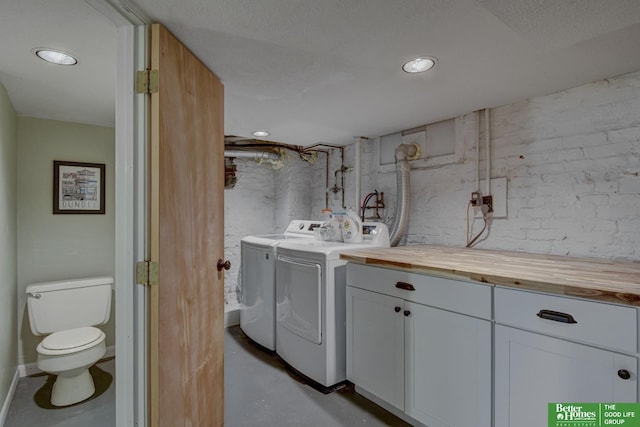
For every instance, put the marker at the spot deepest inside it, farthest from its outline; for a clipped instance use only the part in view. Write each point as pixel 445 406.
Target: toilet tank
pixel 68 304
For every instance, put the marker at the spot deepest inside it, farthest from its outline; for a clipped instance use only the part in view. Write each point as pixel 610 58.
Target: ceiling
pixel 324 71
pixel 84 93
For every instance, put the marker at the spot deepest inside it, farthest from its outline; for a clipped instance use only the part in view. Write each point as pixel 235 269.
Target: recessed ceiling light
pixel 419 65
pixel 261 133
pixel 54 56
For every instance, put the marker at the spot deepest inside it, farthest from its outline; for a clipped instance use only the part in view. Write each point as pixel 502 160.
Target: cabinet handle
pixel 624 374
pixel 397 309
pixel 405 286
pixel 556 316
pixel 407 313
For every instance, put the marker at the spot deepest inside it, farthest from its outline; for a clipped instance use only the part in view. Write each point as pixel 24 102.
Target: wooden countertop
pixel 592 278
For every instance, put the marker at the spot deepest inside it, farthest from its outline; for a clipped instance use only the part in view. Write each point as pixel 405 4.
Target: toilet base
pixel 68 390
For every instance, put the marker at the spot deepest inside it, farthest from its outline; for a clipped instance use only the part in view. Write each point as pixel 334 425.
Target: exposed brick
pixel 564 155
pixel 571 158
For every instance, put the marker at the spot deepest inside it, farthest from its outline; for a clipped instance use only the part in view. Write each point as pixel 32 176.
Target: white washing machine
pixel 311 304
pixel 258 271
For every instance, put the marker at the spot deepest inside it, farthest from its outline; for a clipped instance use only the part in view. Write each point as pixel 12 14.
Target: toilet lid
pixel 71 338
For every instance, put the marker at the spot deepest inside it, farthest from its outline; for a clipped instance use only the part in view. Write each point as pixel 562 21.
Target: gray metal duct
pixel 257 155
pixel 401 218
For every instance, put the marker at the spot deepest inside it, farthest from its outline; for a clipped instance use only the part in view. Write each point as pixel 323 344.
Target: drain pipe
pixel 257 155
pixel 401 219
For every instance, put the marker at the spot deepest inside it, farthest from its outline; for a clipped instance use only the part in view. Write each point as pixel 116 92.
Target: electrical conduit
pixel 487 141
pixel 357 169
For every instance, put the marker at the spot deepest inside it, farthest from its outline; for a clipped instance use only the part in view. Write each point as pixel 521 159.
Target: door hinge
pixel 147 81
pixel 147 273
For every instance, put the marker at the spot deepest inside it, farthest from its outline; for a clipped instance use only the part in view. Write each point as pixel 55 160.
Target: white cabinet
pixel 426 345
pixel 447 367
pixel 375 344
pixel 409 344
pixel 533 369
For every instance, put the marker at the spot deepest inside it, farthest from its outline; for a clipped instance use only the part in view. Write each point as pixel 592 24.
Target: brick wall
pixel 263 201
pixel 572 161
pixel 249 209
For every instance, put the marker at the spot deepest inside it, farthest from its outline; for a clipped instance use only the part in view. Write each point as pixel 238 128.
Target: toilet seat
pixel 70 341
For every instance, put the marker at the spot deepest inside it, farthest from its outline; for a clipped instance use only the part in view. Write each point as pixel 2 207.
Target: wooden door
pixel 186 239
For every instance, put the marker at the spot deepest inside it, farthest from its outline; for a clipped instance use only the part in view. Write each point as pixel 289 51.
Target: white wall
pixel 248 209
pixel 292 191
pixel 572 160
pixel 8 245
pixel 320 185
pixel 54 247
pixel 263 201
pixel 573 164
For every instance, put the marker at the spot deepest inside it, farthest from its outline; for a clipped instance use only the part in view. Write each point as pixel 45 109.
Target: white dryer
pixel 258 270
pixel 311 304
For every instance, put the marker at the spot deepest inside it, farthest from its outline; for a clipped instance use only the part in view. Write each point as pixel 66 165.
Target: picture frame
pixel 78 187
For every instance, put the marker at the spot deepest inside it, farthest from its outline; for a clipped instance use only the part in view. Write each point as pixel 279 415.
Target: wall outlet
pixel 475 199
pixel 498 196
pixel 488 202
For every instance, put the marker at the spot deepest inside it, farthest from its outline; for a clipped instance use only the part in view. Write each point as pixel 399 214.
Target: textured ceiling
pixel 84 93
pixel 313 71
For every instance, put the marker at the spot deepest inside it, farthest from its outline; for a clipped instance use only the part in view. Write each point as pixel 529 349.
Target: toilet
pixel 67 312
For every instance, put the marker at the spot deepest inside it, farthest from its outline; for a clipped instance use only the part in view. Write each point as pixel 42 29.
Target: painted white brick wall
pixel 292 191
pixel 248 209
pixel 263 201
pixel 572 161
pixel 320 186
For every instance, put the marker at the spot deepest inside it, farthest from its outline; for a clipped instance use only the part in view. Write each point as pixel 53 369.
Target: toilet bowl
pixel 69 355
pixel 67 312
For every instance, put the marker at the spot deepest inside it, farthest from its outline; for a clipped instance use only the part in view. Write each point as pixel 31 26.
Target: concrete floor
pixel 259 391
pixel 31 403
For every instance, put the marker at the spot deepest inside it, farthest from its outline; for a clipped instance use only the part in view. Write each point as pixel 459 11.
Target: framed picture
pixel 78 188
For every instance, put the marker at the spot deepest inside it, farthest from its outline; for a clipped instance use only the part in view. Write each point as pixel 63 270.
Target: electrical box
pixel 441 143
pixel 475 199
pixel 498 194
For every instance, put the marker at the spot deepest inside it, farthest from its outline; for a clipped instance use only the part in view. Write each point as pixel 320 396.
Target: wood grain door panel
pixel 186 238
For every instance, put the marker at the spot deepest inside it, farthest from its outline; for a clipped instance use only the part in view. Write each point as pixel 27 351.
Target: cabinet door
pixel 533 370
pixel 375 344
pixel 448 368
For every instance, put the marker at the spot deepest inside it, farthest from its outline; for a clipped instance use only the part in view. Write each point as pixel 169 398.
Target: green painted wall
pixel 55 247
pixel 8 245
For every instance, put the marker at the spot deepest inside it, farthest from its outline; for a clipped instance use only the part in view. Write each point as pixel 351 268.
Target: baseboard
pixel 7 400
pixel 29 369
pixel 231 318
pixel 111 352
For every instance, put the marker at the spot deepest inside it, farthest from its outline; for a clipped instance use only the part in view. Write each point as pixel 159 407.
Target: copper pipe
pixel 342 168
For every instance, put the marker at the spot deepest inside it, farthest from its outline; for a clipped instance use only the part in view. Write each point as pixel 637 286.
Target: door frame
pixel 131 112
